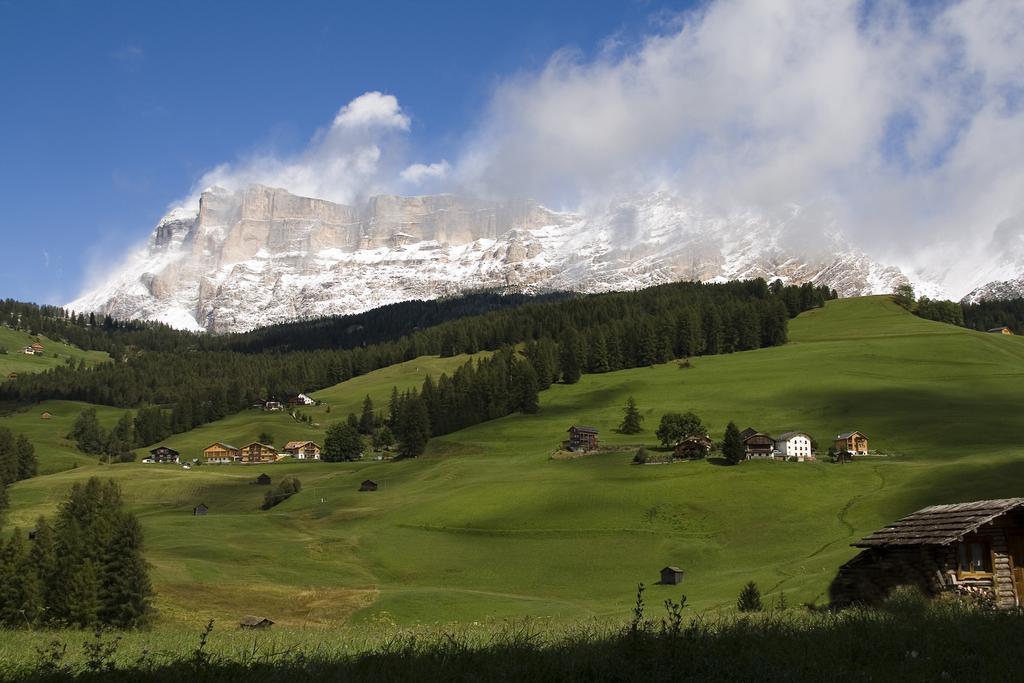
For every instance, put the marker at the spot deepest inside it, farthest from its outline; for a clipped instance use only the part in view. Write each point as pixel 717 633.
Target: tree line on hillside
pixel 150 424
pixel 563 339
pixel 17 461
pixel 83 570
pixel 980 316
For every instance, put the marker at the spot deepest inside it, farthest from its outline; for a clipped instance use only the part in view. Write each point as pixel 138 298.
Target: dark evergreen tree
pixel 125 592
pixel 87 433
pixel 26 452
pixel 368 420
pixel 524 387
pixel 43 558
pixel 413 429
pixel 749 599
pixel 631 418
pixel 383 439
pixel 20 598
pixel 732 445
pixel 570 357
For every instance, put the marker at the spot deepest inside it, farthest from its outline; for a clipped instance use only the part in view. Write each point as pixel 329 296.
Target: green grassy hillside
pixel 55 353
pixel 486 525
pixel 54 451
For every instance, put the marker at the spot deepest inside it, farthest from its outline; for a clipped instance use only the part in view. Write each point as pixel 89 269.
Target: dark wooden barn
pixel 972 549
pixel 263 479
pixel 694 447
pixel 759 445
pixel 200 510
pixel 368 485
pixel 250 621
pixel 582 438
pixel 164 454
pixel 671 576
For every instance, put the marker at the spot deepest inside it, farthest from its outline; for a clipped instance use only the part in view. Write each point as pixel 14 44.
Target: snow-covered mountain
pixel 263 255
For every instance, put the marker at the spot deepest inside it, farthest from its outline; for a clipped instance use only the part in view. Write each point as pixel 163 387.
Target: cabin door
pixel 1017 555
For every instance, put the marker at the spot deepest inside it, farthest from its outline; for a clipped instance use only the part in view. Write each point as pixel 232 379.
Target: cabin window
pixel 974 558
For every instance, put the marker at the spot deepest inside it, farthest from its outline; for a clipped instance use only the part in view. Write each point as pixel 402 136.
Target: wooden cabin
pixel 36 347
pixel 759 445
pixel 200 510
pixel 220 452
pixel 671 576
pixel 1001 330
pixel 250 621
pixel 303 450
pixel 851 442
pixel 368 485
pixel 12 376
pixel 257 452
pixel 164 454
pixel 582 438
pixel 45 415
pixel 263 479
pixel 747 433
pixel 794 445
pixel 694 447
pixel 972 549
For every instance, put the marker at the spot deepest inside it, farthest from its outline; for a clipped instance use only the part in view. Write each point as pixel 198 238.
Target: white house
pixel 305 400
pixel 794 445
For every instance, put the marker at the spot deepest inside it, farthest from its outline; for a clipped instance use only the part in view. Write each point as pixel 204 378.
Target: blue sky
pixel 903 121
pixel 112 110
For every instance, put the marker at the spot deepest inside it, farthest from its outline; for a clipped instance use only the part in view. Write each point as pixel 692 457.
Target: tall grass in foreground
pixel 907 639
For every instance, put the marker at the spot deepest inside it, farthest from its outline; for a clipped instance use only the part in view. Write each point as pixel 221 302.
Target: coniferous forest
pixel 191 379
pixel 83 569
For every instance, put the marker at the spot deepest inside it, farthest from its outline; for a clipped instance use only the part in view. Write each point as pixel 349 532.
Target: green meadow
pixel 486 526
pixel 55 353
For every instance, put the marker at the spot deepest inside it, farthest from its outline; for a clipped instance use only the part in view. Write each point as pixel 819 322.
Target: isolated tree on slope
pixel 631 418
pixel 749 599
pixel 675 427
pixel 732 444
pixel 342 443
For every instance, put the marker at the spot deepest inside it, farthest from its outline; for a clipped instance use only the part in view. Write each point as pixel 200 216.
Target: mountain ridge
pixel 263 255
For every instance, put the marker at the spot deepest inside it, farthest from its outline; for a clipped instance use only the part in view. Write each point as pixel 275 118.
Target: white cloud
pixel 417 174
pixel 358 154
pixel 371 110
pixel 907 121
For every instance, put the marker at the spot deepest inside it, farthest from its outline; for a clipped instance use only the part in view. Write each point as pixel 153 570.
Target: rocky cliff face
pixel 264 255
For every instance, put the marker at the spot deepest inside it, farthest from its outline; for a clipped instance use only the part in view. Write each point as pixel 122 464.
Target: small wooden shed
pixel 974 548
pixel 368 485
pixel 1001 330
pixel 263 479
pixel 250 621
pixel 200 510
pixel 46 415
pixel 670 576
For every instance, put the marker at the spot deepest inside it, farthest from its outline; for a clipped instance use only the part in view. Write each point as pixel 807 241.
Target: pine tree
pixel 43 557
pixel 749 599
pixel 413 427
pixel 570 357
pixel 20 599
pixel 26 452
pixel 383 439
pixel 732 444
pixel 525 387
pixel 125 592
pixel 368 420
pixel 8 457
pixel 631 418
pixel 81 596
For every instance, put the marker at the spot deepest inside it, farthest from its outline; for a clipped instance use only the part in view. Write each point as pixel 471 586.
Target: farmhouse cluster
pixel 221 453
pixel 793 446
pixel 35 349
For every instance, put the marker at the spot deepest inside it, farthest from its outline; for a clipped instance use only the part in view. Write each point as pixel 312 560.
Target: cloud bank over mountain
pixel 904 124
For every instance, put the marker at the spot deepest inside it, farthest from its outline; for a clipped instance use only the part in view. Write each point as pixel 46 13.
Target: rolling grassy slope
pixel 55 354
pixel 54 451
pixel 486 525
